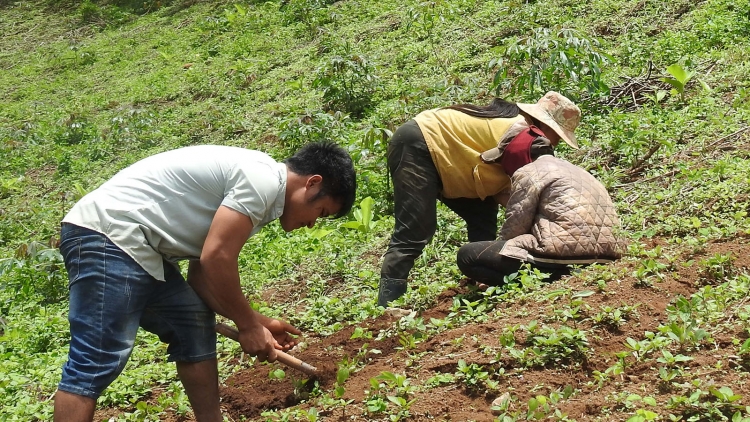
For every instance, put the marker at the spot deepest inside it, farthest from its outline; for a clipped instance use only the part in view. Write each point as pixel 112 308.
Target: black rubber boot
pixel 390 289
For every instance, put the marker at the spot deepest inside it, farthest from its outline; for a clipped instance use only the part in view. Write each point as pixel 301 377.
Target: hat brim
pixel 537 112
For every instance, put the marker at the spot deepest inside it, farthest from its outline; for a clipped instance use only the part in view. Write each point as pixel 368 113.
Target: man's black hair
pixel 334 164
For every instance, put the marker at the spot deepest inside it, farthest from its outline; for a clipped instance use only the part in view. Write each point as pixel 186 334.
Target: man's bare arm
pixel 215 277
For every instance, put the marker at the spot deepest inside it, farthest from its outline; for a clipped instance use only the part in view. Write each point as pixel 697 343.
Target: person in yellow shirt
pixel 449 154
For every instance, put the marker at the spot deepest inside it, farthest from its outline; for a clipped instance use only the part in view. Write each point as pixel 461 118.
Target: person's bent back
pixel 557 215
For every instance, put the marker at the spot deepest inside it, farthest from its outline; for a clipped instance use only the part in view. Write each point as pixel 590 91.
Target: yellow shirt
pixel 455 141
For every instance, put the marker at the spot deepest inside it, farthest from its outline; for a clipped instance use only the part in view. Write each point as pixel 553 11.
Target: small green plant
pixel 508 336
pixel 573 310
pixel 647 271
pixel 348 83
pixel 439 379
pixel 8 186
pixel 375 138
pixel 672 360
pixel 613 318
pixel 707 403
pixel 422 20
pixel 389 387
pixel 360 332
pixel 643 415
pixel 363 216
pixel 342 374
pixel 546 345
pixel 312 14
pixel 90 12
pixel 564 61
pixel 146 412
pixel 679 79
pixel 74 130
pixel 717 268
pixel 685 333
pixel 35 273
pixel 295 132
pixel 744 350
pixel 277 374
pixel 473 375
pixel 639 349
pixel 134 126
pixel 667 375
pixel 538 408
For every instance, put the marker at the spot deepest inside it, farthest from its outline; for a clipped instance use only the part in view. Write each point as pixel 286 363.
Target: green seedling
pixel 364 217
pixel 473 375
pixel 679 79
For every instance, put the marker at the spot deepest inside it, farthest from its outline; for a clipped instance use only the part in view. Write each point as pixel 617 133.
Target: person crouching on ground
pixel 121 244
pixel 558 215
pixel 436 156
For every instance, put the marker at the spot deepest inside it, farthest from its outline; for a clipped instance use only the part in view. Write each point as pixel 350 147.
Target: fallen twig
pixel 682 154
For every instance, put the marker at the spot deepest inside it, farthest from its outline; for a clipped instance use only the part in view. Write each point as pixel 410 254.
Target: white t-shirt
pixel 162 206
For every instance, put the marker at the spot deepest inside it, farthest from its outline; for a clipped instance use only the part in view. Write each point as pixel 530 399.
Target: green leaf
pixel 680 73
pixel 555 293
pixel 319 233
pixel 678 86
pixel 367 213
pixel 648 415
pixel 399 401
pixel 342 375
pixel 585 293
pixel 352 225
pixel 633 397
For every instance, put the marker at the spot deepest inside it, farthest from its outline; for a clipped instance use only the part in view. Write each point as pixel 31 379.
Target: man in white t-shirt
pixel 121 244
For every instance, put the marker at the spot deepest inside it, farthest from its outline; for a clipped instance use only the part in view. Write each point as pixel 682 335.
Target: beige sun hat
pixel 557 112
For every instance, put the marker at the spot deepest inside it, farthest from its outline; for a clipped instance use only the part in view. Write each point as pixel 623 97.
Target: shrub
pixel 311 127
pixel 564 61
pixel 348 83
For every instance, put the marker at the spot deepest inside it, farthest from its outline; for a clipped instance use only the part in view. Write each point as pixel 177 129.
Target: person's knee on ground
pixel 482 263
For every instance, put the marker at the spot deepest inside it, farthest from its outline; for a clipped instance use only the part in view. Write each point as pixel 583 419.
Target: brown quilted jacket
pixel 559 213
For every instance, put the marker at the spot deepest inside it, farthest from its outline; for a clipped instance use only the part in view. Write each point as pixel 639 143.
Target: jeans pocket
pixel 70 249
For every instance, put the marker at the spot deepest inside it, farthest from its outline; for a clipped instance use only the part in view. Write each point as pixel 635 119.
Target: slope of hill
pixel 87 88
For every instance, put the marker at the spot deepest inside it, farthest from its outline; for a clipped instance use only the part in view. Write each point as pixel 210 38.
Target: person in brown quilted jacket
pixel 558 215
pixel 448 154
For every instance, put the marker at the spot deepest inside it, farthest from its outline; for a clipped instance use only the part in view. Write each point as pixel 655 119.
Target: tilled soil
pixel 249 392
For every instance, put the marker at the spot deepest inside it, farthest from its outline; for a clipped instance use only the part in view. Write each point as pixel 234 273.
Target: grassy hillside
pixel 87 88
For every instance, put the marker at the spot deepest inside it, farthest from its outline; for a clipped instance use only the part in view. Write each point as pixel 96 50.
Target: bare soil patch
pixel 250 392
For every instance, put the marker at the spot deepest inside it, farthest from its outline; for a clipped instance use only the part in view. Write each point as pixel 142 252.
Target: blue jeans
pixel 110 297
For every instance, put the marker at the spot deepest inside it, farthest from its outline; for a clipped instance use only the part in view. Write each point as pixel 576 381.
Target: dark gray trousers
pixel 482 262
pixel 416 189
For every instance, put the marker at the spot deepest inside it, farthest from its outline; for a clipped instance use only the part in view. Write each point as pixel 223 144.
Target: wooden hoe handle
pixel 282 357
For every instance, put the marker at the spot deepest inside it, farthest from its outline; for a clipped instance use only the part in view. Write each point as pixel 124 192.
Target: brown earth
pixel 248 393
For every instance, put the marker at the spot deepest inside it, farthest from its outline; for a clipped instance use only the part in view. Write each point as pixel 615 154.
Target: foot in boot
pixel 390 290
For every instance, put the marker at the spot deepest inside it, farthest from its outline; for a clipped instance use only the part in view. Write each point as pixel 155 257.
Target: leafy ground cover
pixel 90 87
